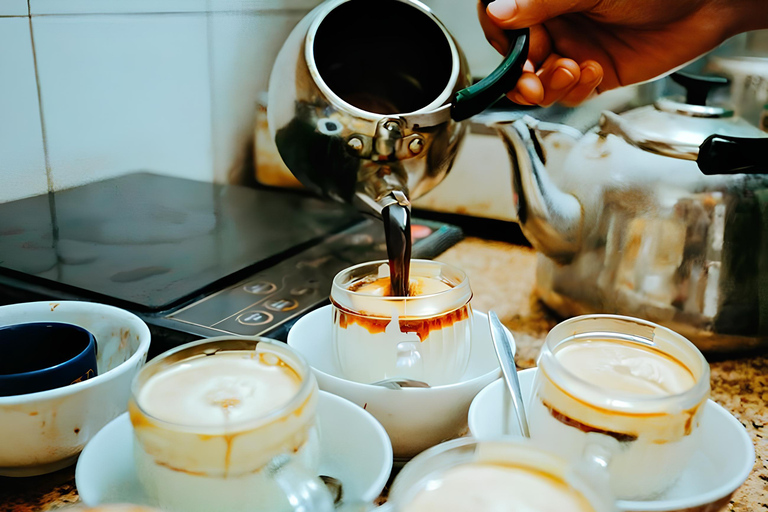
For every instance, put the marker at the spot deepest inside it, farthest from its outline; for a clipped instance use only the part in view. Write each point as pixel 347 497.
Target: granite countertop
pixel 502 277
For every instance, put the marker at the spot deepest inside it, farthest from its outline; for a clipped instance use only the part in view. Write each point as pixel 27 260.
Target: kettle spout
pixel 550 218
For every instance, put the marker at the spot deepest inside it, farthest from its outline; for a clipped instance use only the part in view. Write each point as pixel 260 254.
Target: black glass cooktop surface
pixel 153 241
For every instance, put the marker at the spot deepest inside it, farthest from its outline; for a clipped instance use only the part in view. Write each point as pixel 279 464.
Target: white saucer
pixel 355 449
pixel 724 461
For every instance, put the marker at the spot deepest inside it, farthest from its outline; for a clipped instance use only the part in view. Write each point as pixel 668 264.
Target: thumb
pixel 512 14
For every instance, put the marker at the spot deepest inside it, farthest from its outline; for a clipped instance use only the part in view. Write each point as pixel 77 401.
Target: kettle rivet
pixel 355 144
pixel 392 126
pixel 416 146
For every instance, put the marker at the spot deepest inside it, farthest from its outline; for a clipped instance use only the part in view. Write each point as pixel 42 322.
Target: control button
pixel 282 304
pixel 254 318
pixel 419 231
pixel 302 290
pixel 260 288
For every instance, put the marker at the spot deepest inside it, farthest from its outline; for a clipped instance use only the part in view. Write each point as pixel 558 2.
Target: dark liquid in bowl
pixel 397 227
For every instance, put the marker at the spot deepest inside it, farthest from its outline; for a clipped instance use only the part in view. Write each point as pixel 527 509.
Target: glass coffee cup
pixel 425 336
pixel 228 424
pixel 509 474
pixel 629 380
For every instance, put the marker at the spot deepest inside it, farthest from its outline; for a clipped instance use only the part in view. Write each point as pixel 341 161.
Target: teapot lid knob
pixel 697 87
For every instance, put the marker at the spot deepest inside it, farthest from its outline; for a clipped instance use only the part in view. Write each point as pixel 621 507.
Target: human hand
pixel 579 47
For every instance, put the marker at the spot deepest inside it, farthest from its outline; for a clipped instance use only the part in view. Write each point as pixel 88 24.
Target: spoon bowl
pixel 396 383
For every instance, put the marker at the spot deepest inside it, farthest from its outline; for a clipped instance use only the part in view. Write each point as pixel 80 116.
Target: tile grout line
pixel 48 173
pixel 211 82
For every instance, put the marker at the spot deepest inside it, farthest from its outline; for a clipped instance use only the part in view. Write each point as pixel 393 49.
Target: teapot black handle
pixel 478 97
pixel 721 154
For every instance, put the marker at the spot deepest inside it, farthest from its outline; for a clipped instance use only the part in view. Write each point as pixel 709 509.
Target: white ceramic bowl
pixel 718 468
pixel 45 431
pixel 414 418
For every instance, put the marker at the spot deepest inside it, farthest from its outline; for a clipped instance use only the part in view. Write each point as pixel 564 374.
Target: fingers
pixel 558 80
pixel 493 33
pixel 591 76
pixel 558 76
pixel 529 90
pixel 540 44
pixel 526 13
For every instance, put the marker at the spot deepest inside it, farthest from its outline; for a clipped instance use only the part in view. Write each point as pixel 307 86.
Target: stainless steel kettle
pixel 366 100
pixel 660 212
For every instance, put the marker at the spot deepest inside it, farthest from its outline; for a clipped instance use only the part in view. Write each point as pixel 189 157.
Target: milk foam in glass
pixel 219 423
pixel 514 476
pixel 425 336
pixel 638 383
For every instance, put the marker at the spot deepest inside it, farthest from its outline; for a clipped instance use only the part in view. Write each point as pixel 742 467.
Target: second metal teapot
pixel 627 223
pixel 366 100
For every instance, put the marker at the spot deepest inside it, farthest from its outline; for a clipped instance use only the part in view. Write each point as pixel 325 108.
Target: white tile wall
pixel 124 93
pixel 160 6
pixel 22 161
pixel 243 49
pixel 14 8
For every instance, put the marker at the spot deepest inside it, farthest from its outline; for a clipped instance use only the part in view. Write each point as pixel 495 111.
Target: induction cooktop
pixel 193 259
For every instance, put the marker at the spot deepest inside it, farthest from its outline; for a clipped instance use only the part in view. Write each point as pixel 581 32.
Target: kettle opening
pixel 385 57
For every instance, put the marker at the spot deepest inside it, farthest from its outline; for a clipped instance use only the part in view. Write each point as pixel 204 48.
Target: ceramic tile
pixel 14 8
pixel 162 6
pixel 22 166
pixel 243 50
pixel 125 93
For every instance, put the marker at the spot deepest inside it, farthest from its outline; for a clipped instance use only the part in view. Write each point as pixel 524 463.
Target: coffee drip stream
pixel 397 228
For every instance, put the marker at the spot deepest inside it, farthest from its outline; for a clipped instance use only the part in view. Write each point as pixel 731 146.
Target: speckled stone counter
pixel 502 277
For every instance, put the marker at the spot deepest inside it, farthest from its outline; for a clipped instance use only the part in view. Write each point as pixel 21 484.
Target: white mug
pixel 425 336
pixel 467 474
pixel 228 424
pixel 625 379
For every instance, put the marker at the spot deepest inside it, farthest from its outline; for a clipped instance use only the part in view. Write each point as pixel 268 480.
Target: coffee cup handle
pixel 305 492
pixel 409 357
pixel 478 97
pixel 596 458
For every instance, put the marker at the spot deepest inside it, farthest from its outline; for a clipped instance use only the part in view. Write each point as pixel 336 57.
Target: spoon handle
pixel 507 361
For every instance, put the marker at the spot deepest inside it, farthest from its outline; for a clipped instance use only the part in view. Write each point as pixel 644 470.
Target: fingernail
pixel 589 75
pixel 561 79
pixel 518 98
pixel 503 9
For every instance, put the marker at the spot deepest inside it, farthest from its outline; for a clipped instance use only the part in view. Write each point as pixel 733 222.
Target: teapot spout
pixel 550 218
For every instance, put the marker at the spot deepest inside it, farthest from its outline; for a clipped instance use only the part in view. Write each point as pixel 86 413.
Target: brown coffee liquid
pixel 397 229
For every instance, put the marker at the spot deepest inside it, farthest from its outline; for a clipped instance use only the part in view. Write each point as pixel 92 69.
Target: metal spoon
pixel 396 383
pixel 507 361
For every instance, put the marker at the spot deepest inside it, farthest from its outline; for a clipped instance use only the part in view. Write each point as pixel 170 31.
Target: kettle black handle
pixel 721 154
pixel 478 97
pixel 697 87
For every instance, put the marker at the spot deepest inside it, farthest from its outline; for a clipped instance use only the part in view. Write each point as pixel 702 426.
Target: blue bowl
pixel 44 355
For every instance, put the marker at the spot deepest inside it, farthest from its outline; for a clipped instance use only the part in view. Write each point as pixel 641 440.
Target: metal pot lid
pixel 675 127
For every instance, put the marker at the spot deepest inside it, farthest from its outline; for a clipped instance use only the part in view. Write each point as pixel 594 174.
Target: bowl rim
pixel 141 351
pixel 469 383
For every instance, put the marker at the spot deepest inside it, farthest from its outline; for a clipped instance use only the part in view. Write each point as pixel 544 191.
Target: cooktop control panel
pixel 270 301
